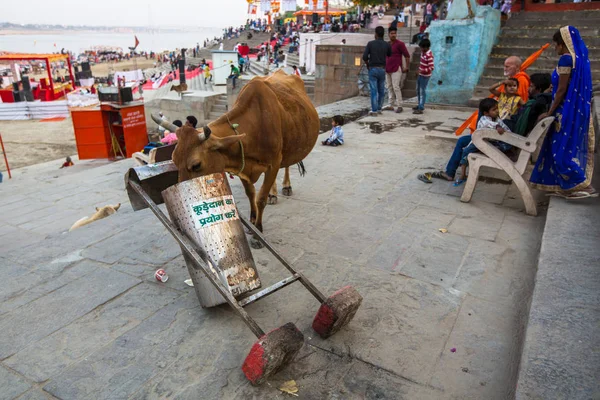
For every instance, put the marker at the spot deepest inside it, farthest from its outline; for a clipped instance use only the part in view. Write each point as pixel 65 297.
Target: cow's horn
pixel 204 135
pixel 163 123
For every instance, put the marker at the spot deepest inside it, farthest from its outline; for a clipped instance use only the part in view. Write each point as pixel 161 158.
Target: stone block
pixel 395 307
pixel 321 58
pixel 12 386
pixel 434 257
pixel 57 309
pixel 170 337
pixel 113 248
pixel 339 73
pixel 481 227
pixel 486 352
pixel 561 355
pixel 51 355
pixel 34 394
pixel 20 289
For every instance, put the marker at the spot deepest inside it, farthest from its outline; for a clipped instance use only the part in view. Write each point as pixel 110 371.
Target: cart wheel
pixel 337 311
pixel 272 352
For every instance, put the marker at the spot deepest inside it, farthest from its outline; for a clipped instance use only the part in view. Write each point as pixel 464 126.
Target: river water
pixel 77 42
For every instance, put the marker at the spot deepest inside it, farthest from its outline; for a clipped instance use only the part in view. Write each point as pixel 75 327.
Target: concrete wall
pixel 309 42
pixel 336 72
pixel 232 94
pixel 199 105
pixel 461 49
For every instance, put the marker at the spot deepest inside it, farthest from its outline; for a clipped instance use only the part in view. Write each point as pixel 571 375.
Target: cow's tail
pixel 301 168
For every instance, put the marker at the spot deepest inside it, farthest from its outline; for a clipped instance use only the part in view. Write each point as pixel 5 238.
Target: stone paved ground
pixel 82 317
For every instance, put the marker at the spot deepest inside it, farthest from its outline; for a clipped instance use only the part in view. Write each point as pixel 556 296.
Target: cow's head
pixel 202 153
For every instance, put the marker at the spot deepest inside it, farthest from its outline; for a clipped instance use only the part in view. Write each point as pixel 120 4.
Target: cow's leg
pixel 287 185
pixel 251 193
pixel 272 199
pixel 261 201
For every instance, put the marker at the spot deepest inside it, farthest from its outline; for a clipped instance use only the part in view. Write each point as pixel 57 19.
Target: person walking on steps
pixel 374 57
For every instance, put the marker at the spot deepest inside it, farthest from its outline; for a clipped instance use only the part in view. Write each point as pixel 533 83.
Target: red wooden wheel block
pixel 272 352
pixel 337 311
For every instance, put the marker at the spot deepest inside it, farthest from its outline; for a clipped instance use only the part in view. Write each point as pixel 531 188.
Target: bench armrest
pixel 510 138
pixel 527 143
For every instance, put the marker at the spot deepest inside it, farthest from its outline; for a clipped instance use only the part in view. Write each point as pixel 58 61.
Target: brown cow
pixel 277 126
pixel 182 87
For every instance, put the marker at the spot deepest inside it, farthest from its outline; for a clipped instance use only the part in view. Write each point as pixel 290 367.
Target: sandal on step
pixel 582 194
pixel 459 182
pixel 557 194
pixel 426 177
pixel 440 175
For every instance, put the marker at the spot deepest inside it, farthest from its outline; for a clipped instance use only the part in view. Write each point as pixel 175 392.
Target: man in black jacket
pixel 374 57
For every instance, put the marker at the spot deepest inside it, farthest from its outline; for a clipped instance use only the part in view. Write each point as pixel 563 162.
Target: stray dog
pixel 182 87
pixel 101 212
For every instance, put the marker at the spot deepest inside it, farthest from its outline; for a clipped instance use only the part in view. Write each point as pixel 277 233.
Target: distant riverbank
pixel 40 41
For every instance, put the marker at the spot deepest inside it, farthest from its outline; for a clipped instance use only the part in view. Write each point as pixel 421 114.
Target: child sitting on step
pixel 336 137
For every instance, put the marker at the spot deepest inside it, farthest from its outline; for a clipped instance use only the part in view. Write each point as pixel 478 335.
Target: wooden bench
pixel 492 157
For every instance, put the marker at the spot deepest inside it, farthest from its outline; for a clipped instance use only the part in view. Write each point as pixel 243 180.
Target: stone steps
pixel 547 60
pixel 498 70
pixel 547 30
pixel 219 108
pixel 568 17
pixel 537 42
pixel 410 84
pixel 292 59
pixel 503 50
pixel 524 33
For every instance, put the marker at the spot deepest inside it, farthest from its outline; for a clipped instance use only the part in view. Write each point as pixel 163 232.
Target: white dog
pixel 101 212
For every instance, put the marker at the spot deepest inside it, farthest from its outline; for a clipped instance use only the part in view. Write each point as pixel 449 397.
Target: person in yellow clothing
pixel 207 74
pixel 509 101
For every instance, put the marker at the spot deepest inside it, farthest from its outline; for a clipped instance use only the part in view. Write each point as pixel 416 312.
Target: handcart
pixel 205 222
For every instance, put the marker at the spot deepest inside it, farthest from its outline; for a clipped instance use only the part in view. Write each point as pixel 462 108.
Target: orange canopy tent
pixel 55 93
pixel 331 11
pixel 471 122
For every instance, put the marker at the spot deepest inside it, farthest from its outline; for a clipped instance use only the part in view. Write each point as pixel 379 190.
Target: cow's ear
pixel 223 143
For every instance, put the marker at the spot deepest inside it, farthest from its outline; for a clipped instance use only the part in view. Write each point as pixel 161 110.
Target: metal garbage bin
pixel 204 210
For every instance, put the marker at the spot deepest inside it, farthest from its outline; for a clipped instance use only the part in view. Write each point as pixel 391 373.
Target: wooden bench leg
pixel 474 166
pixel 530 207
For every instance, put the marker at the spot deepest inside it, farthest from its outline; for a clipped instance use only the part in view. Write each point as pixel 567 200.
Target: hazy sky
pixel 197 13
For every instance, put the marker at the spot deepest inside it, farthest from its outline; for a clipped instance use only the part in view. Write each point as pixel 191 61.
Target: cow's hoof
pixel 287 191
pixel 272 200
pixel 255 243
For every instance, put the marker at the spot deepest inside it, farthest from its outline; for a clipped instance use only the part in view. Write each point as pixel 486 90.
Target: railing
pixel 5 159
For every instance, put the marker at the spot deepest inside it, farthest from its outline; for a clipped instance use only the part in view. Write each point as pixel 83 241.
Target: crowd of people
pixel 565 163
pixel 516 105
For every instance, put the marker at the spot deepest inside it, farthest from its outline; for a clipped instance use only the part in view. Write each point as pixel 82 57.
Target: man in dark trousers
pixel 374 57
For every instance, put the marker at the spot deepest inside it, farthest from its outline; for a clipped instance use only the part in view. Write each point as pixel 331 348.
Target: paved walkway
pixel 82 317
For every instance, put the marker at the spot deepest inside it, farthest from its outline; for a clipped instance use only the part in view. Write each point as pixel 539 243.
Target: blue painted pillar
pixel 461 48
